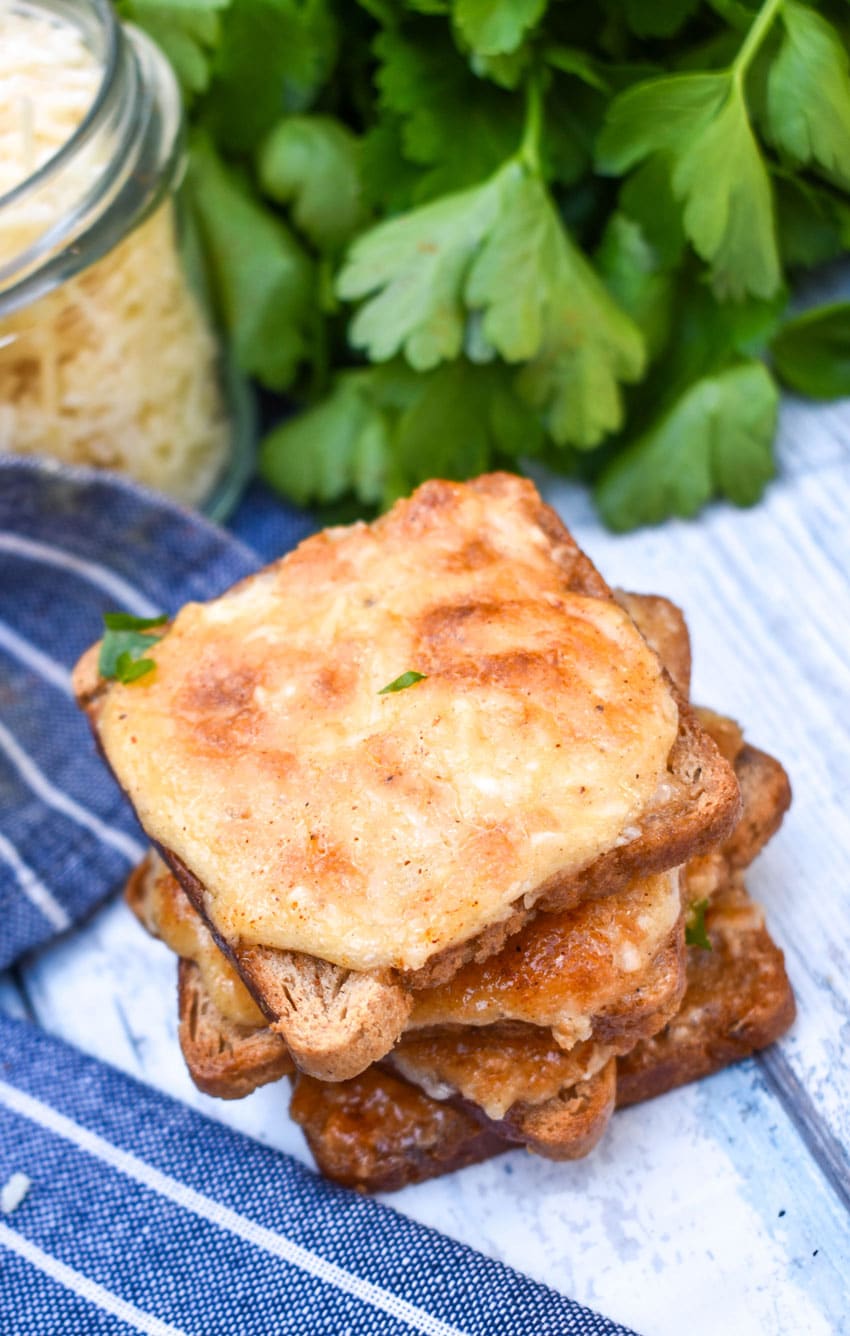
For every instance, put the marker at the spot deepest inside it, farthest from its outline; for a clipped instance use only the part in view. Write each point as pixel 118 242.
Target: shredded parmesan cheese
pixel 13 1192
pixel 117 367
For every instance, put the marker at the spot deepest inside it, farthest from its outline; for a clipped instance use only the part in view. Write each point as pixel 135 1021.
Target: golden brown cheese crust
pixel 495 1068
pixel 322 816
pixel 562 970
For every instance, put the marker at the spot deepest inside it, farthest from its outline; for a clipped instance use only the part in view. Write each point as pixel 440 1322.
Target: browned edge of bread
pixel 766 797
pixel 378 1132
pixel 566 1127
pixel 224 1059
pixel 662 625
pixel 738 1001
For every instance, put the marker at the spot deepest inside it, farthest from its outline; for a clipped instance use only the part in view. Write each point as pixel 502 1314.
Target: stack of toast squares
pixel 440 838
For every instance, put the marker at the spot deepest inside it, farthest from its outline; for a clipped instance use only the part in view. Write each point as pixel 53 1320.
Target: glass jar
pixel 107 355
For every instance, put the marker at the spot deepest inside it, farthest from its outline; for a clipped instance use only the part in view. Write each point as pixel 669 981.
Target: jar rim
pixel 111 28
pixel 133 133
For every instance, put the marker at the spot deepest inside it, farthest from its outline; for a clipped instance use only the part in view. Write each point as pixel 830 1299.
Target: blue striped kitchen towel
pixel 143 1216
pixel 73 545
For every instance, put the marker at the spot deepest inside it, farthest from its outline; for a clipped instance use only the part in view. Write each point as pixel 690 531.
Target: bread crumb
pixel 13 1192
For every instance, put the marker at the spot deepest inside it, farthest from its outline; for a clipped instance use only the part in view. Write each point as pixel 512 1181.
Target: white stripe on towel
pixel 84 1286
pixel 222 1216
pixel 34 658
pixel 61 802
pixel 128 598
pixel 33 888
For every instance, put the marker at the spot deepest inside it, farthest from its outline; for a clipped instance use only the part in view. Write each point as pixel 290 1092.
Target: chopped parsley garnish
pixel 408 679
pixel 125 621
pixel 125 644
pixel 695 930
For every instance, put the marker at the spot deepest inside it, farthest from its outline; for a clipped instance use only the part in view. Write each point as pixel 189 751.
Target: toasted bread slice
pixel 377 1133
pixel 161 905
pixel 501 1068
pixel 738 1000
pixel 336 1020
pixel 765 790
pixel 662 624
pixel 765 798
pixel 567 1126
pixel 224 1058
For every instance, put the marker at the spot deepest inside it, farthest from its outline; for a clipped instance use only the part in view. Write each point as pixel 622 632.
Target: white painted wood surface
pixel 723 1207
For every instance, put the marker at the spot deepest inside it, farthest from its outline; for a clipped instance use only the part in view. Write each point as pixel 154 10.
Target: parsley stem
pixel 529 149
pixel 752 42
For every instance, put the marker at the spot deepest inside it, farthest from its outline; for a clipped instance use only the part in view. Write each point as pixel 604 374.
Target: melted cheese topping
pixel 376 830
pixel 496 1069
pixel 562 970
pixel 170 916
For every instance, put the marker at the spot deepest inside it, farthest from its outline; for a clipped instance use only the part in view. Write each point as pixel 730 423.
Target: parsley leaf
pixel 647 198
pixel 701 124
pixel 126 639
pixel 808 93
pixel 312 163
pixel 457 128
pixel 493 268
pixel 382 430
pixel 696 933
pixel 416 266
pixel 460 420
pixel 496 27
pixel 811 353
pixel 340 445
pixel 633 271
pixel 658 18
pixel 543 301
pixel 274 55
pixel 715 439
pixel 814 224
pixel 262 279
pixel 125 621
pixel 189 34
pixel 408 679
pixel 389 178
pixel 130 669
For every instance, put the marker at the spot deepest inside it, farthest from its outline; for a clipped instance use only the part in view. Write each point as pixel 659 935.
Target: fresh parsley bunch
pixel 472 233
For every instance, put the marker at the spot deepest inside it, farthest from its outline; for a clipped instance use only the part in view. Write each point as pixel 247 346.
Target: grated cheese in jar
pixel 115 366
